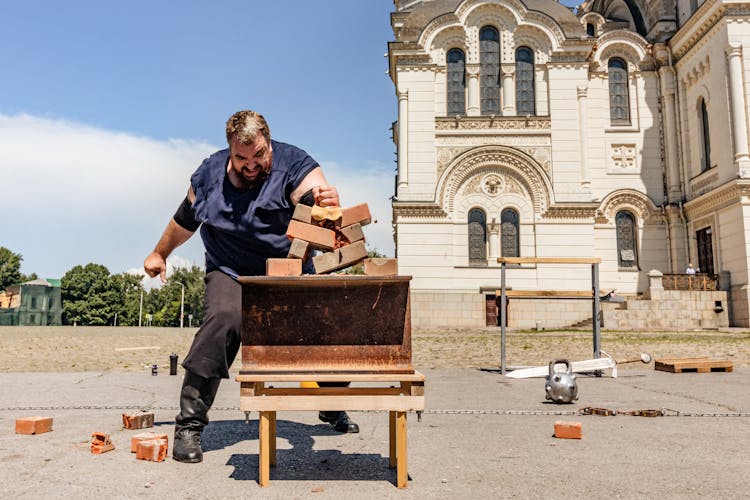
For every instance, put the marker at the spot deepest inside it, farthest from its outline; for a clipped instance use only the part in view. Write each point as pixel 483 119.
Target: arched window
pixel 706 142
pixel 509 233
pixel 489 71
pixel 590 29
pixel 525 99
pixel 619 101
pixel 627 254
pixel 456 82
pixel 477 237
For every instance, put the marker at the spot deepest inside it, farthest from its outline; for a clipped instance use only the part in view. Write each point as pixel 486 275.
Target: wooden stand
pixel 397 399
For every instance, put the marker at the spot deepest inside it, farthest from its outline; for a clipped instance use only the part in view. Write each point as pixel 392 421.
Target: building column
pixel 739 116
pixel 581 92
pixel 493 228
pixel 403 118
pixel 472 104
pixel 669 119
pixel 509 89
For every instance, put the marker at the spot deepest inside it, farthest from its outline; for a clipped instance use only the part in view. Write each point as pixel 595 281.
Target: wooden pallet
pixel 699 365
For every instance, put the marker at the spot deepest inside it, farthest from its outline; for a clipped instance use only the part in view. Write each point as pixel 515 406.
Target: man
pixel 690 269
pixel 242 198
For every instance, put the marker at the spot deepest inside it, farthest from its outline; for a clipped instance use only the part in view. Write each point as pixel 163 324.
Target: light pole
pixel 140 310
pixel 182 305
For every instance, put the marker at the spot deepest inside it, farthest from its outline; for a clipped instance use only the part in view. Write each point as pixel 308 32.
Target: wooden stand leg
pixel 272 441
pixel 264 473
pixel 401 470
pixel 392 439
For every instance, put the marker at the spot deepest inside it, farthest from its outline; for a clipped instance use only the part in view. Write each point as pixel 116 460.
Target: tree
pixel 10 268
pixel 164 303
pixel 88 296
pixel 128 289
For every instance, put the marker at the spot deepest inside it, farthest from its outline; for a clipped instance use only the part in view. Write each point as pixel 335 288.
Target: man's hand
pixel 326 196
pixel 154 265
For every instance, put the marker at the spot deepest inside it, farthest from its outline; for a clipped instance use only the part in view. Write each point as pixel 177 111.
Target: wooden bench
pixel 396 393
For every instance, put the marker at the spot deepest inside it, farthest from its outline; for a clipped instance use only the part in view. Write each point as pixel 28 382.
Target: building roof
pixel 419 15
pixel 38 282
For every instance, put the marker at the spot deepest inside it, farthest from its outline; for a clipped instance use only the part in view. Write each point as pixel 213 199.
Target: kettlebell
pixel 561 387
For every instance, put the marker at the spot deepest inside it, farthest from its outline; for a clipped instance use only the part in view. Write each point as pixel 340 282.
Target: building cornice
pixel 571 211
pixel 708 15
pixel 493 123
pixel 733 192
pixel 417 209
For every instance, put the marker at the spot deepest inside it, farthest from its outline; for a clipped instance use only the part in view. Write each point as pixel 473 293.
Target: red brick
pixel 352 254
pixel 138 420
pixel 154 450
pixel 357 213
pixel 283 267
pixel 381 267
pixel 101 443
pixel 298 250
pixel 568 430
pixel 145 436
pixel 353 233
pixel 340 258
pixel 33 425
pixel 327 262
pixel 317 237
pixel 302 213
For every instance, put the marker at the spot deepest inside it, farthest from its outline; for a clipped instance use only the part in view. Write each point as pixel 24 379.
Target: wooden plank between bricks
pixel 331 377
pixel 314 403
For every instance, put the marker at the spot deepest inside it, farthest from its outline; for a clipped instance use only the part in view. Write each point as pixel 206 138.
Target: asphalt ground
pixel 482 435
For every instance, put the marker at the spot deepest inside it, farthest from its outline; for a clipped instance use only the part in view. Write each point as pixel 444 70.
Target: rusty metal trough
pixel 326 324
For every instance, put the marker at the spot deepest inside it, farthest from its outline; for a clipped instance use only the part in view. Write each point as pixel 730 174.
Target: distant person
pixel 242 198
pixel 690 269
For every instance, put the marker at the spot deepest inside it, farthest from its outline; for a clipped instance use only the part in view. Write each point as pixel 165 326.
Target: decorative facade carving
pixel 636 202
pixel 502 160
pixel 493 123
pixel 698 71
pixel 571 211
pixel 417 210
pixel 623 159
pixel 492 184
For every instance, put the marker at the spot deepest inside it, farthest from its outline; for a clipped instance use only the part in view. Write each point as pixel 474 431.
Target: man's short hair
pixel 244 127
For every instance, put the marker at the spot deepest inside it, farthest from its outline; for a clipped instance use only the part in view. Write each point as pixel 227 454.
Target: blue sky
pixel 106 108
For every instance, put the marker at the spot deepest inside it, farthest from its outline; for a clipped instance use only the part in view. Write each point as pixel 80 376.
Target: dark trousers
pixel 218 339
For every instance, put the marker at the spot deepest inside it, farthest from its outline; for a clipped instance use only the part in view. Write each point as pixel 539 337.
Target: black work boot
pixel 339 420
pixel 196 398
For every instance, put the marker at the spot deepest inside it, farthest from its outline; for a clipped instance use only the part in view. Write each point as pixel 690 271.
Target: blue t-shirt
pixel 242 228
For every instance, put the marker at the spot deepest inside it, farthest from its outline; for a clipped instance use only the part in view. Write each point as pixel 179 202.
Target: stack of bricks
pixel 337 232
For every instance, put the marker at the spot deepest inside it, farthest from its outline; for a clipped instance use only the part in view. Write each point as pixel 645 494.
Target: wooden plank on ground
pixel 701 364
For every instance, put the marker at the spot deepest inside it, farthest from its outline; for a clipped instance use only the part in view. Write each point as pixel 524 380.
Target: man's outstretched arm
pixel 179 229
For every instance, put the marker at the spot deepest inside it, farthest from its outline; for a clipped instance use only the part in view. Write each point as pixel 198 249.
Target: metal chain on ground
pixel 666 412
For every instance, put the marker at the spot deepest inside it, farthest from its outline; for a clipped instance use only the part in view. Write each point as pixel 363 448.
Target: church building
pixel 616 130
